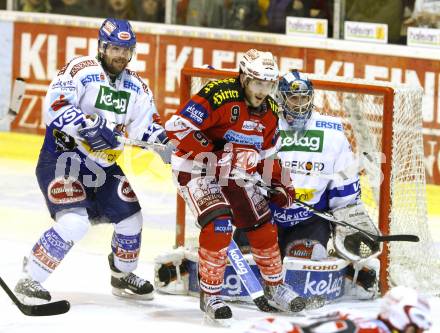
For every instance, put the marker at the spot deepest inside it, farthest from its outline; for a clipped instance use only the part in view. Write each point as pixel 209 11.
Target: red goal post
pixel 378 117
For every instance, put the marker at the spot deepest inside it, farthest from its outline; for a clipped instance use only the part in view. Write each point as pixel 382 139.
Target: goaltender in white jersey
pixel 322 150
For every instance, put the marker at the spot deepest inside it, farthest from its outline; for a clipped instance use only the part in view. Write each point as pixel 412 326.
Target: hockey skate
pixel 31 292
pixel 284 298
pixel 129 285
pixel 215 309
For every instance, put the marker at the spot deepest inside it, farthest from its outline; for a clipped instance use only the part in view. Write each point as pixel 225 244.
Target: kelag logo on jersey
pixel 112 100
pixel 311 141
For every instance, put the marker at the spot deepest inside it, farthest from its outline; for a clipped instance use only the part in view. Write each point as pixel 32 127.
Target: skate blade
pixel 315 302
pixel 218 322
pixel 30 300
pixel 297 307
pixel 123 293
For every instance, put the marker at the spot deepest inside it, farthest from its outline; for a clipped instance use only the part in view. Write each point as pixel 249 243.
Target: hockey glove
pixel 155 133
pixel 283 196
pixel 350 243
pixel 97 134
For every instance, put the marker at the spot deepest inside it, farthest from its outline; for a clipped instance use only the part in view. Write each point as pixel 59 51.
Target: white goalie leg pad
pixel 316 279
pixel 350 243
pixel 126 242
pixel 171 273
pixel 362 279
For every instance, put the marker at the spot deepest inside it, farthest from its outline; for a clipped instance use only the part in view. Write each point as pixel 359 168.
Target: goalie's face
pixel 295 97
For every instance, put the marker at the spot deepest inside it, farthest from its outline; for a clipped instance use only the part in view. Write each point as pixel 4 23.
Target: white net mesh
pixel 411 264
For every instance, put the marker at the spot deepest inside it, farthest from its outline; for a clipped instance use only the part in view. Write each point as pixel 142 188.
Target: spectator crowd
pixel 250 15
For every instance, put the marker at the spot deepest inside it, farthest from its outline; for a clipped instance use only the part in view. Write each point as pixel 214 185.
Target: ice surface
pixel 83 277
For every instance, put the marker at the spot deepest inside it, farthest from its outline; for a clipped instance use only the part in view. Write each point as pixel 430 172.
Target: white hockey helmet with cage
pixel 403 307
pixel 295 96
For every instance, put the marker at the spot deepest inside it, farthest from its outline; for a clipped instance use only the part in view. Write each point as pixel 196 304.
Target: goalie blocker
pixel 331 277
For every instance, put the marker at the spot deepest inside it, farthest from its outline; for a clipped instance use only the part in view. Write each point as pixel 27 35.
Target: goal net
pixel 383 122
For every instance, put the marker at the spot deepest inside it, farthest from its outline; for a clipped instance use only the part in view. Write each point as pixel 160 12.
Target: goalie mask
pixel 295 97
pixel 116 45
pixel 258 77
pixel 403 308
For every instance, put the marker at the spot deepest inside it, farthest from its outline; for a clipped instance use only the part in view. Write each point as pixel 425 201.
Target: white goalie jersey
pixel 319 161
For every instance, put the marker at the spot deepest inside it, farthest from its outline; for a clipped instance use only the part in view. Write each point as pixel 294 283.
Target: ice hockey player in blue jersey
pixel 88 105
pixel 314 147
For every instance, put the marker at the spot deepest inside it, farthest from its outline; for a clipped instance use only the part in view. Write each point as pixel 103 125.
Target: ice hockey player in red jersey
pixel 402 311
pixel 229 128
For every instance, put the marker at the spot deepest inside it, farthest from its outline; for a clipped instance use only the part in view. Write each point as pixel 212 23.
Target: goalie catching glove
pixel 352 244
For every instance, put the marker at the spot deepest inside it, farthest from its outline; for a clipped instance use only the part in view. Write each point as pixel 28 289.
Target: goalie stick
pixel 330 217
pixel 48 309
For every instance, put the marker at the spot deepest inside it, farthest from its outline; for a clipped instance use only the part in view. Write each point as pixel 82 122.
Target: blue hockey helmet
pixel 295 96
pixel 117 32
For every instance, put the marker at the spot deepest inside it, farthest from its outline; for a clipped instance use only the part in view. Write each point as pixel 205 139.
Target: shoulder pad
pixel 328 122
pixel 78 64
pixel 219 92
pixel 273 105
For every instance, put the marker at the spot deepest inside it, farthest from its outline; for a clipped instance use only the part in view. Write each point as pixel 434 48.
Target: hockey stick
pixel 244 272
pixel 374 237
pixel 142 144
pixel 248 278
pixel 48 309
pixel 329 217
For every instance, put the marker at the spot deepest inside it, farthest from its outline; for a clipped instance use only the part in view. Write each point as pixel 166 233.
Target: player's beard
pixel 116 65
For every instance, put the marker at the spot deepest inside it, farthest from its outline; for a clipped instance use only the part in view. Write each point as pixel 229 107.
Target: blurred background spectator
pixel 71 7
pixel 242 14
pixel 426 14
pixel 279 9
pixel 121 9
pixel 152 11
pixel 2 4
pixel 40 6
pixel 250 15
pixel 378 11
pixel 192 12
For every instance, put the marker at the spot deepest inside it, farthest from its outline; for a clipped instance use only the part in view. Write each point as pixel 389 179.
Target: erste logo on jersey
pixel 329 125
pixel 112 100
pixel 92 78
pixel 311 141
